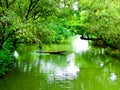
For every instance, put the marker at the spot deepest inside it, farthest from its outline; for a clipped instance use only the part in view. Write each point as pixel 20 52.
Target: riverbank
pixel 113 52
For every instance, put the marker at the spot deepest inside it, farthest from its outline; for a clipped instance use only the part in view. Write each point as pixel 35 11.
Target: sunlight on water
pixel 101 64
pixel 113 77
pixel 80 45
pixel 60 73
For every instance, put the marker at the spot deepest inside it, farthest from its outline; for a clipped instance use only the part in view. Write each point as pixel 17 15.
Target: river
pixel 82 67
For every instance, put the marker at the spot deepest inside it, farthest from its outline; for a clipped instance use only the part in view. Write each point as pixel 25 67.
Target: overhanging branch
pixel 88 38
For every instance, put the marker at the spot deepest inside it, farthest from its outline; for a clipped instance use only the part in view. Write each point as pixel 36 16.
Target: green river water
pixel 82 67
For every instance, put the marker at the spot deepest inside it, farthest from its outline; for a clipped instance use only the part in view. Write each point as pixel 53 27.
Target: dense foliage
pixel 31 21
pixel 54 21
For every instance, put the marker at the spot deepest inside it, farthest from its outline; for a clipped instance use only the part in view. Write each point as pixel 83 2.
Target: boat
pixel 52 52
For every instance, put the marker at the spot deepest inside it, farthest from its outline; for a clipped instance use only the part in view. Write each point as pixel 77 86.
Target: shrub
pixel 5 61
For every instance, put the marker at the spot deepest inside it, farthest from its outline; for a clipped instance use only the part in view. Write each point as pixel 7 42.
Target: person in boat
pixel 40 47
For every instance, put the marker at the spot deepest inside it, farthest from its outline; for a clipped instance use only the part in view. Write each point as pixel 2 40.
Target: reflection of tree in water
pixel 97 67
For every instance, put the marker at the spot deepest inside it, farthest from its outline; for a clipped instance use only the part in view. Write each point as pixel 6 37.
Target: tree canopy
pixel 53 21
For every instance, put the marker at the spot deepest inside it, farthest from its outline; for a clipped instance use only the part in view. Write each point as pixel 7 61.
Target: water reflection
pixel 101 64
pixel 113 77
pixel 60 73
pixel 80 45
pixel 91 70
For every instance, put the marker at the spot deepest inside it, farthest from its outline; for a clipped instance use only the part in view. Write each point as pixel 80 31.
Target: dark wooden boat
pixel 52 52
